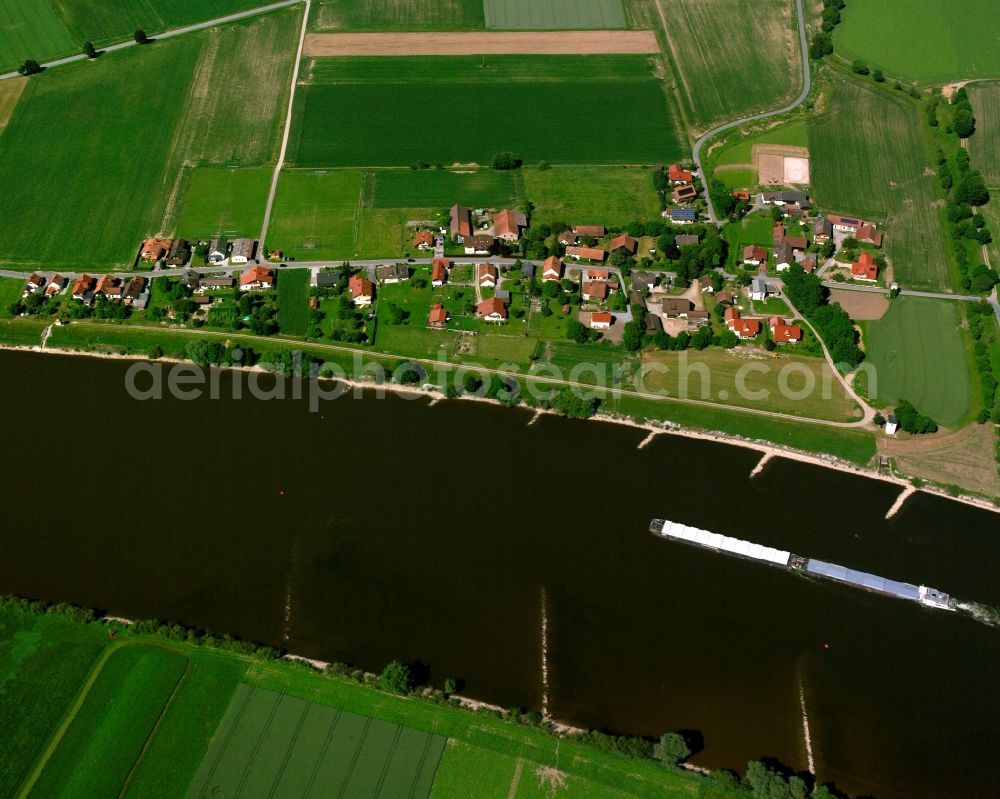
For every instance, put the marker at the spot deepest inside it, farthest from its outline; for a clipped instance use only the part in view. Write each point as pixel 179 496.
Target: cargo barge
pixel 922 594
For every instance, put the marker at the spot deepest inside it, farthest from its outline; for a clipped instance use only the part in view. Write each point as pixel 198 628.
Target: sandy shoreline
pixel 765 448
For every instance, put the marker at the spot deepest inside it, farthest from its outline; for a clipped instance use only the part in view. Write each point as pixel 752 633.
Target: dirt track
pixel 487 43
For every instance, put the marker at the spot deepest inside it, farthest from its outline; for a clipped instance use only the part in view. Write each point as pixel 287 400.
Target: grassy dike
pixel 66 683
pixel 853 445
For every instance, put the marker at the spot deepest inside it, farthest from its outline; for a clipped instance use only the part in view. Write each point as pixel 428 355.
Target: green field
pixel 315 214
pixel 163 718
pixel 218 97
pixel 984 144
pixel 918 354
pixel 267 739
pixel 293 302
pixel 553 14
pixel 348 112
pixel 396 15
pixel 731 57
pixel 928 41
pixel 221 201
pixel 869 157
pixel 436 188
pixel 104 22
pixel 95 754
pixel 591 195
pixel 31 29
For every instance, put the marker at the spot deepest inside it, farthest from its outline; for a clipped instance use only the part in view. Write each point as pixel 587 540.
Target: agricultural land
pixel 142 716
pixel 396 15
pixel 348 111
pixel 554 14
pixel 870 157
pixel 219 94
pixel 984 144
pixel 917 353
pixel 922 40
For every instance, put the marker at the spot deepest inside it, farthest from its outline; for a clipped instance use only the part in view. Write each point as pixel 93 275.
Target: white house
pixel 242 251
pixel 218 251
pixel 758 289
pixel 891 425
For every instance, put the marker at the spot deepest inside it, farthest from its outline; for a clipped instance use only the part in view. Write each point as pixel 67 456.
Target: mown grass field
pixel 924 40
pixel 10 93
pixel 731 57
pixel 31 29
pixel 315 213
pixel 293 302
pixel 349 111
pixel 792 384
pixel 217 96
pixel 396 15
pixel 218 731
pixel 740 150
pixel 431 188
pixel 591 195
pixel 553 14
pixel 105 738
pixel 869 157
pixel 918 355
pixel 221 201
pixel 984 144
pixel 295 746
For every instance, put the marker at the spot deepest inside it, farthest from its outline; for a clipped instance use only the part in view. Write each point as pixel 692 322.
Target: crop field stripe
pixel 396 15
pixel 229 724
pixel 606 42
pixel 984 144
pixel 552 14
pixel 31 29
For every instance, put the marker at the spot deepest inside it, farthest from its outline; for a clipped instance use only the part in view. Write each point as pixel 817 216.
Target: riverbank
pixel 768 449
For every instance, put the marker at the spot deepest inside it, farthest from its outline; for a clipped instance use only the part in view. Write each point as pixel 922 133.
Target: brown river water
pixel 380 529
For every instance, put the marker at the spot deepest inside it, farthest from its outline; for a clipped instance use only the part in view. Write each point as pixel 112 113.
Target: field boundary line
pixel 354 760
pixel 229 733
pixel 288 126
pixel 156 727
pixel 260 742
pixel 288 750
pixel 388 761
pixel 322 754
pixel 428 737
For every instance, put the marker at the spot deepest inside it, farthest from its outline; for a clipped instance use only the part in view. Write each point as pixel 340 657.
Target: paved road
pixel 288 127
pixel 806 86
pixel 252 12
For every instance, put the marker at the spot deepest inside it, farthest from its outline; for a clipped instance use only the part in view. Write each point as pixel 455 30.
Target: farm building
pixel 597 290
pixel 643 281
pixel 480 244
pixel 594 231
pixel 677 175
pixel 674 307
pixel 601 320
pixel 754 256
pixel 759 289
pixel 507 225
pixel 243 251
pixel 624 242
pixel 567 238
pixel 586 253
pixel 461 223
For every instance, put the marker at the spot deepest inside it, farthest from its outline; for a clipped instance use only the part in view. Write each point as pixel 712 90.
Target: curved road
pixel 806 86
pixel 252 12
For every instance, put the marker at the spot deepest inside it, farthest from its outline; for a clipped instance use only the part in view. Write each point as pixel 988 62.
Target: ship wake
pixel 985 614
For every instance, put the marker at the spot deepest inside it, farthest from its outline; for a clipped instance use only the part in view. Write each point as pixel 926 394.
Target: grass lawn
pixel 789 383
pixel 499 345
pixel 737 178
pixel 755 228
pixel 731 61
pixel 470 771
pixel 224 201
pixel 918 354
pixel 869 157
pixel 43 662
pixel 23 331
pixel 984 144
pixel 315 214
pixel 105 738
pixel 349 111
pixel 293 302
pixel 31 29
pixel 554 14
pixel 396 15
pixel 591 195
pixel 923 40
pixel 438 188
